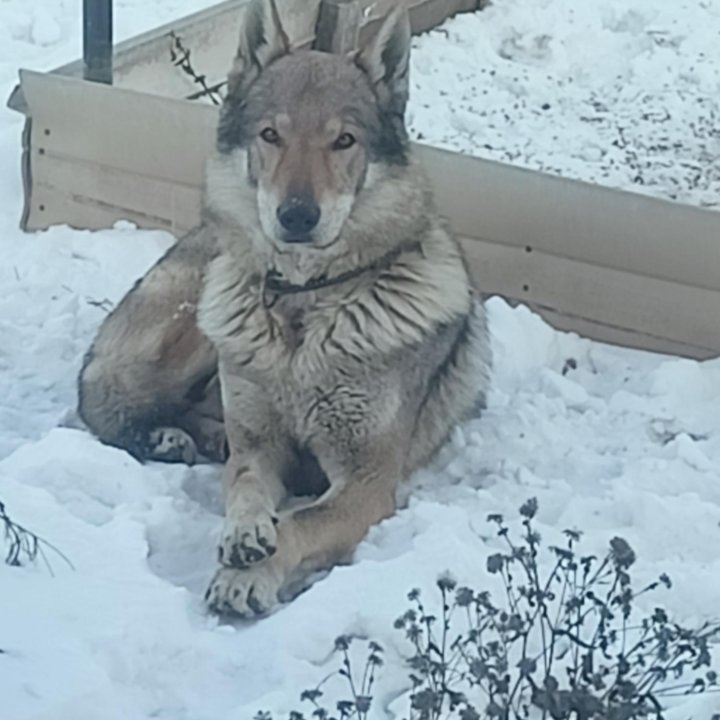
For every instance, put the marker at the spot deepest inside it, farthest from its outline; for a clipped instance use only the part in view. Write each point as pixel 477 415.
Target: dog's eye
pixel 345 141
pixel 270 136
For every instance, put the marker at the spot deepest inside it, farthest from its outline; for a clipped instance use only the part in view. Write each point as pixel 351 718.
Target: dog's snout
pixel 299 217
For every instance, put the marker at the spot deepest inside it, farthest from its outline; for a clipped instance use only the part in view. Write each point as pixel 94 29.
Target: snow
pixel 611 441
pixel 617 92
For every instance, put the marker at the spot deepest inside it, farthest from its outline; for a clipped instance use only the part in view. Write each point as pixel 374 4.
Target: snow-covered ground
pixel 624 443
pixel 623 93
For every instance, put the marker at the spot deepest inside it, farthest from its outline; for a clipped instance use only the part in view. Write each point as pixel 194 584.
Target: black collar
pixel 274 286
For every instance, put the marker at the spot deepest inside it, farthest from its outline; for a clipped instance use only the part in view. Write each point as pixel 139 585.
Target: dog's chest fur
pixel 344 340
pixel 290 315
pixel 274 340
pixel 299 350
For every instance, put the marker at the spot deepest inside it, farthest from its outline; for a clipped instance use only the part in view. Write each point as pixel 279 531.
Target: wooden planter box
pixel 614 266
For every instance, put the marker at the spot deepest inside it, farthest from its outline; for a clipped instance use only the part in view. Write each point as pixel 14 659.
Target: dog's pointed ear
pixel 386 60
pixel 262 40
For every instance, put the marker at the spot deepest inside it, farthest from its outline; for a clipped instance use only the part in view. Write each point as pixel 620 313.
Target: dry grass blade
pixel 25 546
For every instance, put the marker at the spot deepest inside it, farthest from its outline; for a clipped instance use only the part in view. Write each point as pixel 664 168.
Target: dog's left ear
pixel 262 40
pixel 386 60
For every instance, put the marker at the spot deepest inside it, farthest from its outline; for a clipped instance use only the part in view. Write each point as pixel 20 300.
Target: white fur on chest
pixel 296 337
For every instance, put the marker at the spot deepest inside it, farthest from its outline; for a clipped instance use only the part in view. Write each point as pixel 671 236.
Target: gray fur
pixel 340 391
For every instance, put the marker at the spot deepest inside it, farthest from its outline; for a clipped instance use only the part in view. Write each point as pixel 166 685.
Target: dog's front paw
pixel 244 593
pixel 248 538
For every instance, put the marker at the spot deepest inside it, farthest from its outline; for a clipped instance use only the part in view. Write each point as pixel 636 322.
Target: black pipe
pixel 98 40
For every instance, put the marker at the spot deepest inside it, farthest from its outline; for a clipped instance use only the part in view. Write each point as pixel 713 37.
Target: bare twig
pixel 180 57
pixel 25 545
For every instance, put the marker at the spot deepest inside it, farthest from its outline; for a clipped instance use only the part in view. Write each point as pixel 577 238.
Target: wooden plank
pixel 646 313
pixel 608 304
pixel 338 27
pixel 495 202
pixel 616 266
pixel 75 192
pixel 66 209
pixel 622 337
pixel 567 218
pixel 109 194
pixel 145 134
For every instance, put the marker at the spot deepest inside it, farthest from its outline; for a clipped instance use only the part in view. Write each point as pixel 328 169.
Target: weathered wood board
pixel 612 265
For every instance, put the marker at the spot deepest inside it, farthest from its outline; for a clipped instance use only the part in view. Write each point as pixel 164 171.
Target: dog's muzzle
pixel 298 216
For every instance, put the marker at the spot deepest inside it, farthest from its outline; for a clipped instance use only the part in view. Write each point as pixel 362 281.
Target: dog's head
pixel 308 131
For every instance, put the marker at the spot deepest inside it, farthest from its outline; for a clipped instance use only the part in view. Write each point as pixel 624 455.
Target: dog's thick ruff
pixel 344 355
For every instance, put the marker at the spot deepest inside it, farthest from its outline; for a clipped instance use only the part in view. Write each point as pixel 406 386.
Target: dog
pixel 318 333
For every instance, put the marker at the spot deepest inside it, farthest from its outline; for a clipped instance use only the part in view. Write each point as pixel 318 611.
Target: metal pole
pixel 98 40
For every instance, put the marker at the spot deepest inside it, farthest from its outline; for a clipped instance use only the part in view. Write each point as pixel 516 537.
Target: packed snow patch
pixel 607 447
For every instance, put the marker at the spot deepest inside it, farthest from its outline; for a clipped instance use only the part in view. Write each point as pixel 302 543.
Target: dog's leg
pixel 149 362
pixel 253 484
pixel 253 489
pixel 315 537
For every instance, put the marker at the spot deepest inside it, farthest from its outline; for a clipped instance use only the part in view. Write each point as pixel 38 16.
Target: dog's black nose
pixel 299 216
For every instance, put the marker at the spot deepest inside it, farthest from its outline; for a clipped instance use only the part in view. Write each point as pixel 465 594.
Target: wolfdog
pixel 319 328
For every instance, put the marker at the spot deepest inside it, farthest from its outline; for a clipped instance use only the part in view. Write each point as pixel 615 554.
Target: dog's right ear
pixel 262 40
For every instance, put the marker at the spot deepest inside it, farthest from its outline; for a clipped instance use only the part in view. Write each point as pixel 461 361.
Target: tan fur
pixel 338 392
